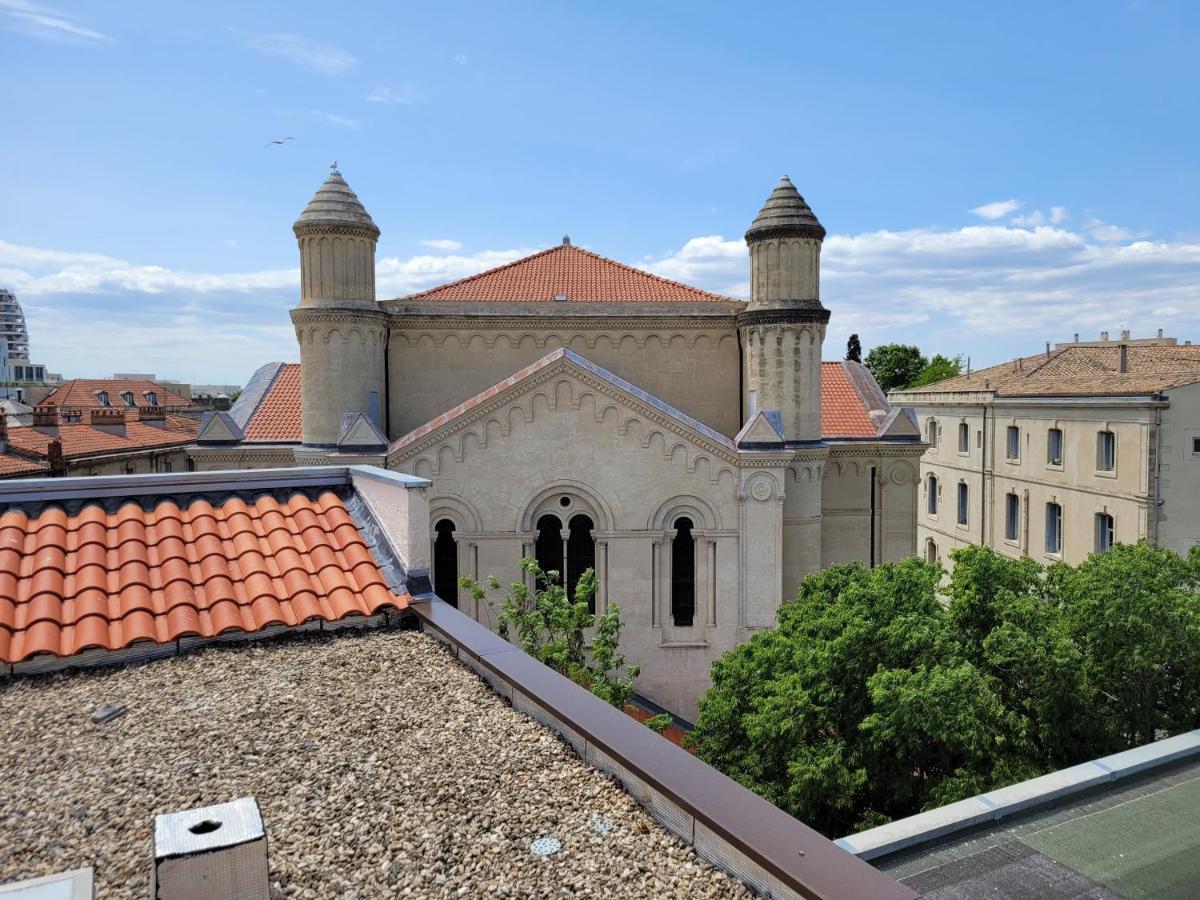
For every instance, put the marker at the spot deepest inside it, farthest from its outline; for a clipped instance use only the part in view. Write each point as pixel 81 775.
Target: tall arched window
pixel 683 573
pixel 931 553
pixel 581 555
pixel 549 546
pixel 931 499
pixel 445 562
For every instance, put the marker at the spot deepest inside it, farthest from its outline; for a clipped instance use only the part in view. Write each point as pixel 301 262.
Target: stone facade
pixel 1030 460
pixel 671 439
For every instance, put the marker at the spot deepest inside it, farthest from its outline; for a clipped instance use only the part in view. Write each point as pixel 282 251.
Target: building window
pixel 931 551
pixel 127 399
pixel 964 437
pixel 683 573
pixel 191 465
pixel 1054 535
pixel 1054 446
pixel 1012 450
pixel 152 398
pixel 548 548
pixel 581 555
pixel 1012 516
pixel 102 398
pixel 445 562
pixel 1196 446
pixel 963 503
pixel 931 501
pixel 752 404
pixel 1104 532
pixel 167 465
pixel 128 468
pixel 931 432
pixel 1106 451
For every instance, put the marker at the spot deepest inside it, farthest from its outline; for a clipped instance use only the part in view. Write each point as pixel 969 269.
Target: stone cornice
pixel 304 229
pixel 766 232
pixel 872 448
pixel 311 315
pixel 814 314
pixel 590 322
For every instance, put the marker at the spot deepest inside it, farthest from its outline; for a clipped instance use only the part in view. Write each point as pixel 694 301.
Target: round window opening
pixel 564 502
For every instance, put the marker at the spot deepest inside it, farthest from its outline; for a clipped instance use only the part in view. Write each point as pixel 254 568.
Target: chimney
pixel 1047 349
pixel 1077 337
pixel 1123 353
pixel 108 420
pixel 45 417
pixel 1125 334
pixel 1104 335
pixel 1160 334
pixel 153 415
pixel 54 459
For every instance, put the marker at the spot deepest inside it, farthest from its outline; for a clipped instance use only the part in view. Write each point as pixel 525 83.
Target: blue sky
pixel 991 176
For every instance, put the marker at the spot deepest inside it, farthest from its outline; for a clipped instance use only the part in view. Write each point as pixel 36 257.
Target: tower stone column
pixel 341 331
pixel 783 326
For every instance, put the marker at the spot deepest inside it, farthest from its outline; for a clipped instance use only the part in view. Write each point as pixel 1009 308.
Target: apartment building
pixel 1062 454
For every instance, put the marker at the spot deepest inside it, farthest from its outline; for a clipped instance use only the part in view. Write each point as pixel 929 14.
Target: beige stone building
pixel 1060 455
pixel 692 448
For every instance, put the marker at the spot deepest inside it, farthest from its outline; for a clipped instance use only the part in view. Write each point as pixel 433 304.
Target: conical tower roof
pixel 785 214
pixel 335 204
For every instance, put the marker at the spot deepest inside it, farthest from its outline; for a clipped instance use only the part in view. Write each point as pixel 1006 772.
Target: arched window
pixel 931 501
pixel 152 398
pixel 931 554
pixel 964 438
pixel 548 548
pixel 127 398
pixel 931 430
pixel 683 573
pixel 581 555
pixel 445 562
pixel 102 398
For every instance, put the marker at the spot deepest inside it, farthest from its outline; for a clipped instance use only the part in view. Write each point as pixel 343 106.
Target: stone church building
pixel 693 449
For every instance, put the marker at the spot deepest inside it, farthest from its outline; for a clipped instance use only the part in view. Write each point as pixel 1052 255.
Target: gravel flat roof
pixel 382 766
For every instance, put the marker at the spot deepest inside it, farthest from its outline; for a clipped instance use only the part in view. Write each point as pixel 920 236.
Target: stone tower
pixel 783 326
pixel 342 333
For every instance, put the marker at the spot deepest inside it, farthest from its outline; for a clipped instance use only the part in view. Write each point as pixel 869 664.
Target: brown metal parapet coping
pixel 798 858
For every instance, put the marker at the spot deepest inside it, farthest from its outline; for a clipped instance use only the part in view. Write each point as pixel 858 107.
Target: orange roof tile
pixel 277 417
pixel 1083 371
pixel 81 393
pixel 581 275
pixel 11 466
pixel 81 439
pixel 167 568
pixel 843 411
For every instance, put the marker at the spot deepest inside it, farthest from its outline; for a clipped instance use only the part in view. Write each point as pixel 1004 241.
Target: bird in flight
pixel 279 141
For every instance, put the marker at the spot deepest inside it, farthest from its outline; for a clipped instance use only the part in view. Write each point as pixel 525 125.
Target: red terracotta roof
pixel 81 439
pixel 581 275
pixel 81 393
pixel 11 466
pixel 165 569
pixel 1083 371
pixel 843 411
pixel 277 417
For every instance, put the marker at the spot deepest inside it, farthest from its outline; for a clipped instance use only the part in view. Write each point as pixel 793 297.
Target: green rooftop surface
pixel 1135 839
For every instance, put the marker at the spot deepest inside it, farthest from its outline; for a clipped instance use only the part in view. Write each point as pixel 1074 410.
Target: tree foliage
pixel 895 366
pixel 854 349
pixel 882 692
pixel 939 368
pixel 549 626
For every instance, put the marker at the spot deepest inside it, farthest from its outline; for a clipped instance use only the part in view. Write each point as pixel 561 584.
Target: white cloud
pixel 977 283
pixel 49 24
pixel 997 210
pixel 442 244
pixel 322 58
pixel 1030 220
pixel 334 119
pixel 1109 233
pixel 405 95
pixel 1058 215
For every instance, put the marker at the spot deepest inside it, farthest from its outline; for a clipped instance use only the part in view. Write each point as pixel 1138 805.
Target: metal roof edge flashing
pixel 1025 796
pixel 95 487
pixel 724 822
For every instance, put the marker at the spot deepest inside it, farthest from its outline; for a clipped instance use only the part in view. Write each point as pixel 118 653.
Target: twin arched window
pixel 569 557
pixel 445 562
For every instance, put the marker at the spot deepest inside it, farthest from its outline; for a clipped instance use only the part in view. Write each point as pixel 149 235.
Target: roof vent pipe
pixel 1160 333
pixel 1047 349
pixel 1124 358
pixel 1077 337
pixel 215 853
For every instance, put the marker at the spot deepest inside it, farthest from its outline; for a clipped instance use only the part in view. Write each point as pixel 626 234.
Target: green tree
pixel 939 368
pixel 854 349
pixel 549 626
pixel 895 366
pixel 885 691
